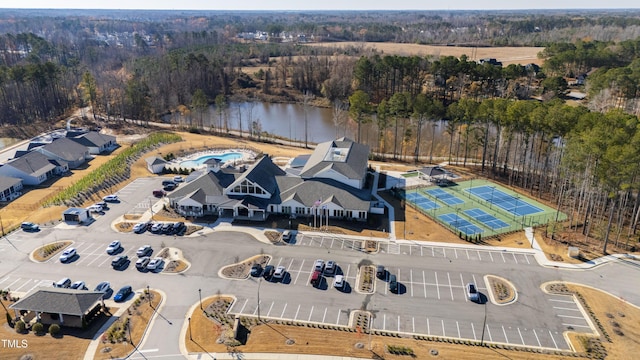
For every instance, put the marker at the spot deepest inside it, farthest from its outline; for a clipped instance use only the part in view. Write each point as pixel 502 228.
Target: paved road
pixel 431 300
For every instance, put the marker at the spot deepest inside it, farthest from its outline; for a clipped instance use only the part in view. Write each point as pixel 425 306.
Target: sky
pixel 320 4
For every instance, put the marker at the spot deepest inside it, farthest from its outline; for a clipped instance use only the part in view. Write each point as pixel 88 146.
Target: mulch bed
pixel 242 270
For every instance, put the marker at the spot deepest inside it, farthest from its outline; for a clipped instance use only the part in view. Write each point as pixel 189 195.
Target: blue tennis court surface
pixel 487 219
pixel 510 203
pixel 460 224
pixel 445 197
pixel 421 201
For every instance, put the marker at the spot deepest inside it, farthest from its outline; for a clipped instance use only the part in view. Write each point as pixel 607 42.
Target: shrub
pixel 20 326
pixel 9 319
pixel 38 328
pixel 54 329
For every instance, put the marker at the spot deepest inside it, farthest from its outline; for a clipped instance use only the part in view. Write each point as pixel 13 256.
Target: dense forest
pixel 512 122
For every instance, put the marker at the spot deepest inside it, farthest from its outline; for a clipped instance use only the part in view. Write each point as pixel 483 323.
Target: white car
pixel 113 247
pixel 79 285
pixel 318 265
pixel 139 228
pixel 157 227
pixel 178 179
pixel 110 198
pixel 95 208
pixel 144 250
pixel 155 264
pixel 338 282
pixel 280 271
pixel 68 254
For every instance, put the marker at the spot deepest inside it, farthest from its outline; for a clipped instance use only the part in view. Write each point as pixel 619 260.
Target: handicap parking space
pixel 287 310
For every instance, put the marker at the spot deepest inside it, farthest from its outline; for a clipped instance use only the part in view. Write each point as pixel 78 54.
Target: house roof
pixel 262 173
pixel 342 155
pixel 7 182
pixel 154 160
pixel 33 164
pixel 66 149
pixel 208 184
pixel 308 192
pixel 94 138
pixel 58 301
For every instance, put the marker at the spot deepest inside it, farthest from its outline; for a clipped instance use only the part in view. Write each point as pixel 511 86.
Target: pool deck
pixel 247 155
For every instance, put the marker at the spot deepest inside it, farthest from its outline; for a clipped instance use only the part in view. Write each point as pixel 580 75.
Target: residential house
pixel 66 150
pixel 96 142
pixel 10 188
pixel 33 168
pixel 155 164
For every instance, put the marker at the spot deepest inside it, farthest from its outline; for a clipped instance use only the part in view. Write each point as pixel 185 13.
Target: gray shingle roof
pixel 58 301
pixel 154 160
pixel 66 149
pixel 309 191
pixel 262 173
pixel 7 182
pixel 210 184
pixel 33 163
pixel 353 164
pixel 94 138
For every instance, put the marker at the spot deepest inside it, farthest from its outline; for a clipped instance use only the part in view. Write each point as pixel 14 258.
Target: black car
pixel 170 187
pixel 119 261
pixel 178 227
pixel 167 228
pixel 268 272
pixel 256 270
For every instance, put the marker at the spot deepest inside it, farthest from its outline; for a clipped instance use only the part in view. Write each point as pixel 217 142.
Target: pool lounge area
pixel 199 160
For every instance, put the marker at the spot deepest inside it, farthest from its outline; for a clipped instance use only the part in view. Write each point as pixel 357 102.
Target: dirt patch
pixel 241 270
pixel 124 226
pixel 275 237
pixel 47 251
pixel 132 217
pixel 503 291
pixel 366 279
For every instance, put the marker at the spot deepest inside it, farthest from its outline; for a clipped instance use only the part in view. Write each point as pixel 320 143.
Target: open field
pixel 508 55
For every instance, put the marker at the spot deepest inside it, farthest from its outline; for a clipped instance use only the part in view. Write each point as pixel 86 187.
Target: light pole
pixel 515 209
pixel 259 283
pixel 149 296
pixel 190 337
pixel 200 294
pixel 491 201
pixel 484 323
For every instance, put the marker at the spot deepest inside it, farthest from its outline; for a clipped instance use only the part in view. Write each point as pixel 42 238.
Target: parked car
pixel 170 187
pixel 178 179
pixel 104 287
pixel 63 283
pixel 139 228
pixel 393 284
pixel 95 208
pixel 110 198
pixel 286 235
pixel 159 193
pixel 330 267
pixel 29 226
pixel 268 272
pixel 113 247
pixel 119 261
pixel 68 254
pixel 338 282
pixel 144 250
pixel 472 292
pixel 167 182
pixel 78 285
pixel 155 264
pixel 318 265
pixel 123 294
pixel 280 273
pixel 167 228
pixel 102 204
pixel 142 263
pixel 256 270
pixel 380 272
pixel 178 227
pixel 316 278
pixel 155 228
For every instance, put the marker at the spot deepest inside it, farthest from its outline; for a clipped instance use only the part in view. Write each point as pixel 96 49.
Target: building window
pixel 362 215
pixel 300 210
pixel 349 213
pixel 286 209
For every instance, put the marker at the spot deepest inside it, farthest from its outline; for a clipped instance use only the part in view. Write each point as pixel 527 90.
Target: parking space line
pixel 23 285
pixel 571 317
pixel 428 327
pixel 505 334
pixel 514 257
pixel 479 257
pixel 299 272
pixel 563 301
pixel 491 256
pixel 526 257
pixel 384 321
pixel 421 248
pixel 467 251
pixel 338 317
pixel 257 308
pixel 310 313
pixel 574 325
pixel 279 262
pixel 9 286
pixel 398 323
pixel 450 287
pixel 296 317
pixel 270 308
pixel 444 333
pixel 458 326
pixel 433 252
pixel 283 310
pixel 455 252
pixel 503 260
pixel 474 281
pixel 489 333
pixel 563 308
pixel 473 330
pixel 554 340
pixel 321 240
pixel 424 284
pixel 521 338
pixel 413 323
pixel 5 279
pixel 92 261
pixel 464 295
pixel 437 286
pixel 444 252
pixel 411 279
pixel 537 339
pixel 325 314
pixel 332 240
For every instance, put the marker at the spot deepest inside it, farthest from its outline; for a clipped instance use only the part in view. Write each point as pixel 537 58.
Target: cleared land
pixel 508 55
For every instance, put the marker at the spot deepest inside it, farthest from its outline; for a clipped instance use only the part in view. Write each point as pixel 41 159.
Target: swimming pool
pixel 222 157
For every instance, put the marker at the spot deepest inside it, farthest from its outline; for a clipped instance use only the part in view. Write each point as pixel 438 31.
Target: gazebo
pixel 67 307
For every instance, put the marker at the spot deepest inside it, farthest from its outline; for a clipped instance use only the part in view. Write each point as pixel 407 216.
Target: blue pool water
pixel 222 157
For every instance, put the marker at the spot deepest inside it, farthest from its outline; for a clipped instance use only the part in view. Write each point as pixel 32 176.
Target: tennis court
pixel 421 201
pixel 487 219
pixel 460 224
pixel 445 197
pixel 513 204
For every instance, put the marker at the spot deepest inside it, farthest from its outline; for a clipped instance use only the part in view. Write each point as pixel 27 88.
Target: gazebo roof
pixel 58 301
